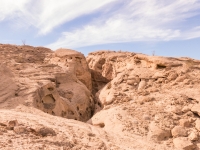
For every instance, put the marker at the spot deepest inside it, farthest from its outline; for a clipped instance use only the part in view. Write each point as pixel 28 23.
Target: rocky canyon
pixel 108 100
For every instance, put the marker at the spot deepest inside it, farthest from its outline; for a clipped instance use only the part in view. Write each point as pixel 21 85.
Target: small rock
pixel 156 134
pixel 176 110
pixel 191 120
pixel 183 143
pixel 172 76
pixel 109 99
pixel 10 141
pixel 141 84
pixel 148 99
pixel 12 124
pixel 159 75
pixel 124 108
pixel 91 134
pixel 184 122
pixel 193 136
pixel 130 82
pixel 156 118
pixel 19 129
pixel 135 122
pixel 44 131
pixel 146 117
pixel 179 131
pixel 189 114
pixel 185 109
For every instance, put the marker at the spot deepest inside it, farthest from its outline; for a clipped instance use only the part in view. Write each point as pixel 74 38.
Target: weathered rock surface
pixel 125 100
pixel 164 90
pixel 58 83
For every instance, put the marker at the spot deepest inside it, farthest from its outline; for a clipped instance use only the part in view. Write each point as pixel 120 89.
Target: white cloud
pixel 191 34
pixel 113 31
pixel 137 20
pixel 8 8
pixel 47 14
pixel 57 13
pixel 126 21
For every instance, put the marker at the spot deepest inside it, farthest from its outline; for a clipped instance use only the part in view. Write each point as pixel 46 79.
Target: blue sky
pixel 170 28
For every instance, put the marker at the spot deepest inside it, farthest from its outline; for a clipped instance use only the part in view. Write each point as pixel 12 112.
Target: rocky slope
pixel 109 100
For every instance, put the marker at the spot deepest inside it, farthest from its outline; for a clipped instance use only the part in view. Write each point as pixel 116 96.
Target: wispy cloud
pixel 9 9
pixel 56 13
pixel 123 21
pixel 192 33
pixel 137 20
pixel 47 14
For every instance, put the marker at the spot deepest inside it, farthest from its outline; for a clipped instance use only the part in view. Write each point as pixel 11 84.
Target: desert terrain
pixel 108 100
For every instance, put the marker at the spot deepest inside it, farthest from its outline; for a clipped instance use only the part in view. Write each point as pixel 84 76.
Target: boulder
pixel 193 136
pixel 179 131
pixel 12 124
pixel 45 131
pixel 19 129
pixel 183 143
pixel 156 134
pixel 184 122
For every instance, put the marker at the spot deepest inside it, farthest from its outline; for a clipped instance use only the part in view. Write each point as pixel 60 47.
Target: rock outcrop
pixel 58 83
pixel 149 96
pixel 108 100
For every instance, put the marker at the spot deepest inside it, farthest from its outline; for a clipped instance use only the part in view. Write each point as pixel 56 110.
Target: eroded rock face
pixel 159 96
pixel 70 95
pixel 58 83
pixel 74 63
pixel 51 102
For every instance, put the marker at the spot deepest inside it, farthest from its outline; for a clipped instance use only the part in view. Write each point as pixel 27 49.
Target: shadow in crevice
pixel 98 81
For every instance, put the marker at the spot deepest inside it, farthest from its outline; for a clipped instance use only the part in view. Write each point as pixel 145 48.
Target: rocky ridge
pixel 124 100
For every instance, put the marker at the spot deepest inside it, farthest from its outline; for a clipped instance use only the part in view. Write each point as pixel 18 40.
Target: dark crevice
pixel 161 66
